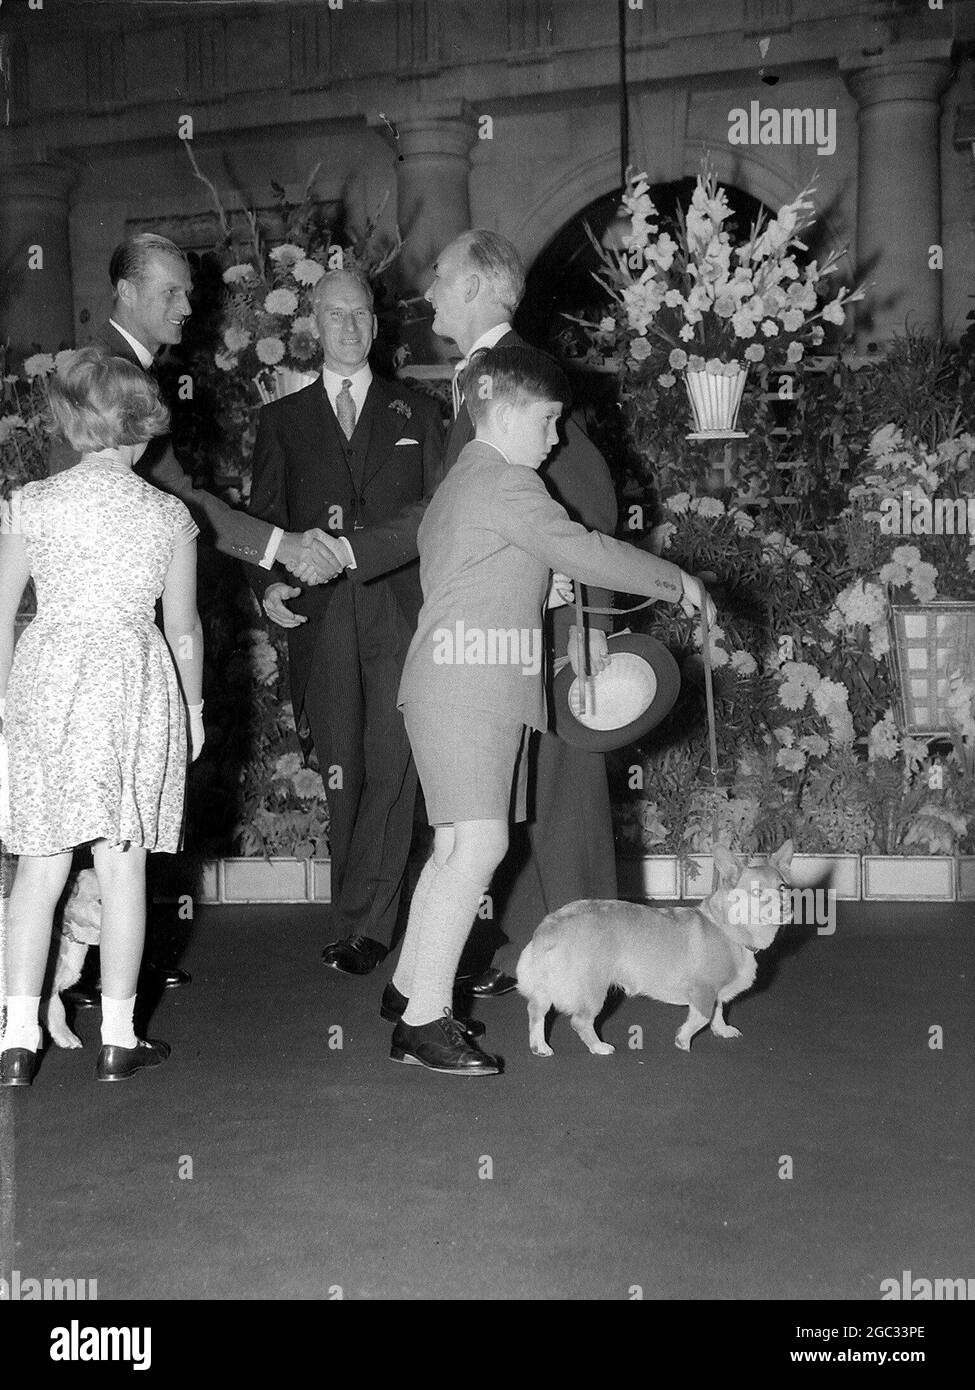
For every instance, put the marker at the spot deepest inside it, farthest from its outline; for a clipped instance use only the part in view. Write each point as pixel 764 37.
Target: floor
pixel 281 1155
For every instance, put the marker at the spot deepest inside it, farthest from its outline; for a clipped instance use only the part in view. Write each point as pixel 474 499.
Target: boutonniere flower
pixel 402 407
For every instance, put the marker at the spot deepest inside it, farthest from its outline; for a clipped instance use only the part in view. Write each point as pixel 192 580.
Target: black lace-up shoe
pixel 442 1046
pixel 394 1005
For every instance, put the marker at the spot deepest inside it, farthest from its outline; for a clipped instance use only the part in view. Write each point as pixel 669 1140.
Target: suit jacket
pixel 306 473
pixel 576 475
pixel 487 542
pixel 230 529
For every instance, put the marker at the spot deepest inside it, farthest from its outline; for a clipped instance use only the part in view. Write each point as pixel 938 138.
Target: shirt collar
pixel 141 351
pixel 488 445
pixel 486 340
pixel 361 381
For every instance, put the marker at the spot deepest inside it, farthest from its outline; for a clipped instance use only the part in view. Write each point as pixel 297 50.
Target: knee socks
pixel 448 912
pixel 403 974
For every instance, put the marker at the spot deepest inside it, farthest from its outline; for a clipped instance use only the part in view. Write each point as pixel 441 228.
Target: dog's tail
pixel 524 971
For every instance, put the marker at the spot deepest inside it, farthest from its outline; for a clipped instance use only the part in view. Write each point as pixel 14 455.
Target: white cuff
pixel 350 561
pixel 267 559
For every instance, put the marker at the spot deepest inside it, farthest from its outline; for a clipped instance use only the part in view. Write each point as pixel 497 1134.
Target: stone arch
pixel 758 173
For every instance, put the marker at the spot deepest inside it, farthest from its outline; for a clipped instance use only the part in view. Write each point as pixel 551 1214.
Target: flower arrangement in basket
pixel 700 304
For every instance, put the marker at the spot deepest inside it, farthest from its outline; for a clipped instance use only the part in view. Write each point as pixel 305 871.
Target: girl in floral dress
pixel 93 701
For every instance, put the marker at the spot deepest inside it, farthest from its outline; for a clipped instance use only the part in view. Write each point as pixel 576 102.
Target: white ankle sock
pixel 23 1029
pixel 117 1029
pixel 405 966
pixel 448 913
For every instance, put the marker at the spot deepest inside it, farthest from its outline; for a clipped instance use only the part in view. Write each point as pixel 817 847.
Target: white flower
pixel 607 325
pixel 792 320
pixel 743 324
pixel 833 312
pixel 307 271
pixel 794 352
pixel 815 745
pixel 287 254
pixel 640 349
pixel 673 298
pixel 678 503
pixel 41 364
pixel 678 359
pixel 710 506
pixel 666 380
pixel 62 358
pixel 269 350
pixel 792 759
pixel 743 663
pixel 235 273
pixel 226 361
pixel 236 339
pixel 686 333
pixel 770 328
pixel 743 523
pixel 754 352
pixel 281 302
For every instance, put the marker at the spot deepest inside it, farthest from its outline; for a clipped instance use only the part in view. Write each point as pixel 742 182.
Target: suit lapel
pixel 385 425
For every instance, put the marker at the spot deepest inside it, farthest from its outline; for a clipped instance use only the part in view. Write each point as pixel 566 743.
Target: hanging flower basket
pixel 715 401
pixel 930 645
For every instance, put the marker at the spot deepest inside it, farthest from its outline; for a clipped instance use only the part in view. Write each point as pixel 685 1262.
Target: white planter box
pixel 838 872
pixel 277 880
pixel 909 878
pixel 697 876
pixel 653 876
pixel 965 878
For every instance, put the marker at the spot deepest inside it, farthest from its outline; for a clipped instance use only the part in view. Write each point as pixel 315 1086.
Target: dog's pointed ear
pixel 726 865
pixel 782 857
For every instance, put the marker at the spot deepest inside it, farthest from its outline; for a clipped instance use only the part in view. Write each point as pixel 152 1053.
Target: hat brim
pixel 654 681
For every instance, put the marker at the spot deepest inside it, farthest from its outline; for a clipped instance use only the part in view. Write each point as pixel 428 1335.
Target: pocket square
pixel 406 441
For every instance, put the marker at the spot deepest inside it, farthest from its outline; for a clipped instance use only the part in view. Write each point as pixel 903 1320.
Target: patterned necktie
pixel 345 408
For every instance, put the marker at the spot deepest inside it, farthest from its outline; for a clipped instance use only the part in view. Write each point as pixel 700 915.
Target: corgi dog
pixel 81 927
pixel 699 956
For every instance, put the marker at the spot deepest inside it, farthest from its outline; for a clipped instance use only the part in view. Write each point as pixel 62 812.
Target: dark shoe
pixel 81 998
pixel 394 1004
pixel 491 985
pixel 119 1063
pixel 354 955
pixel 18 1066
pixel 169 976
pixel 441 1046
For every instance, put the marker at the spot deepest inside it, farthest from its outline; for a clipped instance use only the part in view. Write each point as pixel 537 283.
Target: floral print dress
pixel 94 721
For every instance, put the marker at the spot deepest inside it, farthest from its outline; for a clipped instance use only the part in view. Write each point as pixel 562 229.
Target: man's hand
pixel 599 657
pixel 560 591
pixel 696 597
pixel 276 608
pixel 313 557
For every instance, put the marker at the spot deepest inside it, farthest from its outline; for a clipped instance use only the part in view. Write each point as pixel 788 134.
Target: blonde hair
pixel 97 401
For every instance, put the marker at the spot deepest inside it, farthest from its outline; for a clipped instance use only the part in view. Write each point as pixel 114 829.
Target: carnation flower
pixel 641 349
pixel 269 351
pixel 226 361
pixel 794 352
pixel 743 324
pixel 695 363
pixel 710 506
pixel 236 339
pixel 234 274
pixel 792 759
pixel 743 663
pixel 666 380
pixel 41 364
pixel 287 254
pixel 607 325
pixel 792 320
pixel 673 299
pixel 754 352
pixel 307 271
pixel 678 359
pixel 281 302
pixel 770 328
pixel 686 333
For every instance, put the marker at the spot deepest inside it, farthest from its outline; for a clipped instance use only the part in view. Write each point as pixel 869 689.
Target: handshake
pixel 313 557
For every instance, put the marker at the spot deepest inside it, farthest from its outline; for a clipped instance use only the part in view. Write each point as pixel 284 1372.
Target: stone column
pixel 433 200
pixel 36 306
pixel 899 184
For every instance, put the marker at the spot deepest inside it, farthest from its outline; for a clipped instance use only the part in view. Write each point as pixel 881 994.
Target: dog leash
pixel 708 683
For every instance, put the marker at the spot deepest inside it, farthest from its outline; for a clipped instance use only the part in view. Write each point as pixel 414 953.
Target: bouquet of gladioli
pixel 701 301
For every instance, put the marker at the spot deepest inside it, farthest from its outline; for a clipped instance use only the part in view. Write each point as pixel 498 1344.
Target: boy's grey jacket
pixel 487 542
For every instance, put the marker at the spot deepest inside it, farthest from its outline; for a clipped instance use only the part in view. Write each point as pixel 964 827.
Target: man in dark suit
pixel 478 282
pixel 347 452
pixel 151 285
